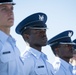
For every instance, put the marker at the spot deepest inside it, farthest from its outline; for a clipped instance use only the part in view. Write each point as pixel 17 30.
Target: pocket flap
pixel 7 56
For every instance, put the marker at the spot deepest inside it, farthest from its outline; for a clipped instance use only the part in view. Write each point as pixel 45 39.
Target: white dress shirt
pixel 36 63
pixel 10 60
pixel 62 67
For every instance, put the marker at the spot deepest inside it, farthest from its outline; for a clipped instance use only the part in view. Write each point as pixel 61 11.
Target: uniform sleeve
pixel 28 66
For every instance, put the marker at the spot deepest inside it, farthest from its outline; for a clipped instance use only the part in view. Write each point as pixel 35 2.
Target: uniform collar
pixel 5 37
pixel 11 39
pixel 65 63
pixel 37 53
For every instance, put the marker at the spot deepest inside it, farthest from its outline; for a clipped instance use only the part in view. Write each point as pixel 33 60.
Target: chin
pixel 42 44
pixel 70 56
pixel 10 24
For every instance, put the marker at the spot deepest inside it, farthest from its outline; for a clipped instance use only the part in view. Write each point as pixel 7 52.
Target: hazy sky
pixel 61 16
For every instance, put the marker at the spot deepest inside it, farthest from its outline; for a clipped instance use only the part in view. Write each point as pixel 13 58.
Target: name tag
pixel 6 52
pixel 41 66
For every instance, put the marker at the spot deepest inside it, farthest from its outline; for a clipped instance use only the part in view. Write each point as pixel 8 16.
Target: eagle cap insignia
pixel 69 34
pixel 41 17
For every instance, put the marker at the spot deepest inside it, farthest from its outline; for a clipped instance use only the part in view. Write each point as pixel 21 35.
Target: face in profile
pixel 6 15
pixel 38 37
pixel 66 51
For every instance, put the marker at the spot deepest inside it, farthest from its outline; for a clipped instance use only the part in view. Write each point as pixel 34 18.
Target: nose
pixel 43 32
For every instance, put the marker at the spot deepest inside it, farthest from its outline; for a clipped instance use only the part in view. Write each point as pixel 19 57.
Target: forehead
pixel 38 31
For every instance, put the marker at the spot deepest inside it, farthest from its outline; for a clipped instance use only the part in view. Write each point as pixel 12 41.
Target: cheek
pixel 2 21
pixel 32 38
pixel 62 52
pixel 2 17
pixel 65 52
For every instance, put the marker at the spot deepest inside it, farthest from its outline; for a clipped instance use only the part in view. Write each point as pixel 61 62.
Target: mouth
pixel 44 38
pixel 11 19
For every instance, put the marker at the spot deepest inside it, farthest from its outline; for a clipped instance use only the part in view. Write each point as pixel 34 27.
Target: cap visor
pixel 37 28
pixel 8 3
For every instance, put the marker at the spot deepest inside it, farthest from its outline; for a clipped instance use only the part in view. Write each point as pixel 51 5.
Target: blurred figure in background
pixel 73 59
pixel 62 47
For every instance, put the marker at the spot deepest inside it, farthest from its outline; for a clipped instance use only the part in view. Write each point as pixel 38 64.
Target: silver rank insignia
pixel 41 17
pixel 70 34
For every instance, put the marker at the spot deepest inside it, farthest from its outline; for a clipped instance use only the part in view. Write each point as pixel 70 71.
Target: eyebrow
pixel 3 6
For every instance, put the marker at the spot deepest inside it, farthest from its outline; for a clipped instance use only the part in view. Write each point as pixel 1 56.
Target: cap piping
pixel 8 3
pixel 67 43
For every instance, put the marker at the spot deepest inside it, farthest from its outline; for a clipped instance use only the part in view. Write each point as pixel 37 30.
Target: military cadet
pixel 33 30
pixel 62 47
pixel 10 61
pixel 74 58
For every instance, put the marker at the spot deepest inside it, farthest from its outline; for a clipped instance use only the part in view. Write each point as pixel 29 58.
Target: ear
pixel 26 37
pixel 57 50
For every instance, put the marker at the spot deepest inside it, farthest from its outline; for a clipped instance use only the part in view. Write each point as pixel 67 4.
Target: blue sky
pixel 61 16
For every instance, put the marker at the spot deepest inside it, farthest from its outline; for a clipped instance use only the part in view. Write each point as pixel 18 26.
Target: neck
pixel 6 30
pixel 36 47
pixel 66 59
